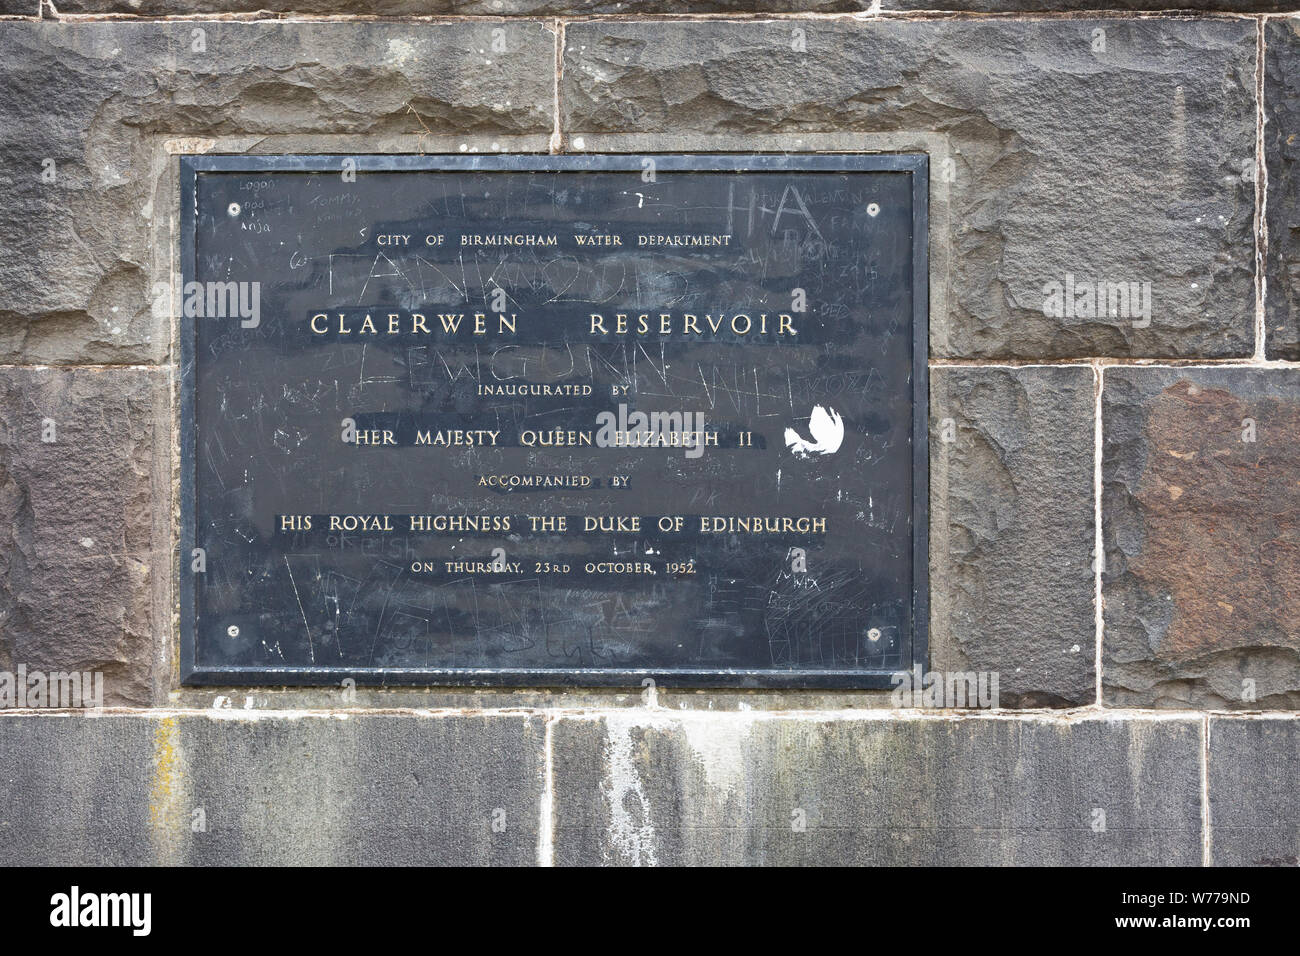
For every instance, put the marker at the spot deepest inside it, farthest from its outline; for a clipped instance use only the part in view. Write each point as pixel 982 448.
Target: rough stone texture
pixel 1117 166
pixel 1012 534
pixel 1282 159
pixel 471 8
pixel 728 789
pixel 589 7
pixel 80 556
pixel 373 790
pixel 1039 6
pixel 75 791
pixel 1202 532
pixel 99 99
pixel 1254 805
pixel 391 790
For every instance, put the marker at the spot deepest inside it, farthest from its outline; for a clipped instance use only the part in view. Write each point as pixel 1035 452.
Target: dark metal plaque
pixel 541 420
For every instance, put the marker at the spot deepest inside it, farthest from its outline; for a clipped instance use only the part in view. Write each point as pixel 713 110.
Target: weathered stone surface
pixel 1012 534
pixel 367 790
pixel 1200 515
pixel 575 8
pixel 81 558
pixel 1039 6
pixel 470 8
pixel 19 8
pixel 1117 166
pixel 729 789
pixel 1254 805
pixel 1282 205
pixel 74 791
pixel 98 100
pixel 372 790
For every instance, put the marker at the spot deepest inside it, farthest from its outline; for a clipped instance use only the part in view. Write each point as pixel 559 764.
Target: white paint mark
pixel 399 52
pixel 634 839
pixel 719 745
pixel 827 429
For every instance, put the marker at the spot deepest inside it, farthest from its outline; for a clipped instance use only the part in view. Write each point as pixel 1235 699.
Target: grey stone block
pixel 1254 805
pixel 1069 164
pixel 373 790
pixel 1202 543
pixel 95 102
pixel 1282 206
pixel 1012 530
pixel 75 790
pixel 745 789
pixel 83 523
pixel 366 790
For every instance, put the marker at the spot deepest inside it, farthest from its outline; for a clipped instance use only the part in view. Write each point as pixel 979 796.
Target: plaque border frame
pixel 915 164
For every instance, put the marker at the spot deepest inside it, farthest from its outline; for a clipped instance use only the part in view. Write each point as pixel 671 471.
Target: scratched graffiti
pixel 392 475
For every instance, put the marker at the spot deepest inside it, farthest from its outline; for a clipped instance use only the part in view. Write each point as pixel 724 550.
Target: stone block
pixel 731 789
pixel 1108 156
pixel 1202 538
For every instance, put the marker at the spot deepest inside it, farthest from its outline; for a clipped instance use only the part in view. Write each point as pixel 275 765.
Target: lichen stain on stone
pixel 1219 515
pixel 166 795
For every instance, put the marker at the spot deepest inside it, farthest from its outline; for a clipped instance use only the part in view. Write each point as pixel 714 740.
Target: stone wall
pixel 1115 499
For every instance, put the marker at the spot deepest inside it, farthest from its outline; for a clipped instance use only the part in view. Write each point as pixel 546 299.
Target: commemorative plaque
pixel 540 420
